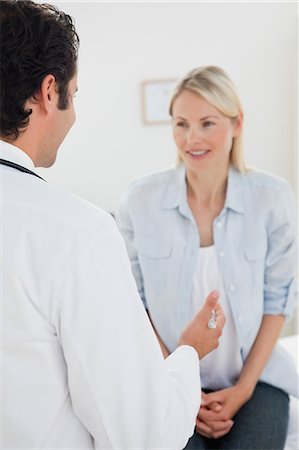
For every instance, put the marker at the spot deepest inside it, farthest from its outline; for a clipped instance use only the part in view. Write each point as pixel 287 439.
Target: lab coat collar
pixel 14 154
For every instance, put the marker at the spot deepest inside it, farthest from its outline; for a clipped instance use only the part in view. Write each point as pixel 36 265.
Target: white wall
pixel 124 43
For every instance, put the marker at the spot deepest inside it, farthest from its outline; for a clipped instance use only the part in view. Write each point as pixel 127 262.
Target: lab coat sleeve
pixel 122 390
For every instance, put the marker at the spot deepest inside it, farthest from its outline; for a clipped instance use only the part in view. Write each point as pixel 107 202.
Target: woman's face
pixel 203 135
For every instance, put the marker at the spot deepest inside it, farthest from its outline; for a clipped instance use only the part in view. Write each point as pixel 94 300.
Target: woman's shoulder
pixel 153 181
pixel 267 190
pixel 254 178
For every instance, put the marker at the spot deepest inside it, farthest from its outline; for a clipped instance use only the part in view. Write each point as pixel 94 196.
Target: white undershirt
pixel 220 368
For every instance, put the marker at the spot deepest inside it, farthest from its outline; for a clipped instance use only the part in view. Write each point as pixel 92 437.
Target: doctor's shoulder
pixel 74 211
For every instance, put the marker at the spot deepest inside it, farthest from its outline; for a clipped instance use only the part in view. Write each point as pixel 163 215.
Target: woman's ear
pixel 238 122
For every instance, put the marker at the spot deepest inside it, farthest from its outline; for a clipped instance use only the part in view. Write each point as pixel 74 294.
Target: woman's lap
pixel 292 442
pixel 260 424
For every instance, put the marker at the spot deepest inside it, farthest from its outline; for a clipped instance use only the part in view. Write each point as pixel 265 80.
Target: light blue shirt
pixel 255 240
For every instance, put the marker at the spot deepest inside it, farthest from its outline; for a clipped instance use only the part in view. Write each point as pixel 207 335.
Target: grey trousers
pixel 261 424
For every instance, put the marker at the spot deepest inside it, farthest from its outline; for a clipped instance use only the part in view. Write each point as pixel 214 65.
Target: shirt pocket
pixel 152 248
pixel 255 257
pixel 154 261
pixel 256 251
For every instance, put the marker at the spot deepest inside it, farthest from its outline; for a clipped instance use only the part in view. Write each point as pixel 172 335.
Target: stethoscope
pixel 5 162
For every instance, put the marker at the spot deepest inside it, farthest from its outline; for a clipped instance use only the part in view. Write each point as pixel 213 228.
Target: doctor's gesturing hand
pixel 204 330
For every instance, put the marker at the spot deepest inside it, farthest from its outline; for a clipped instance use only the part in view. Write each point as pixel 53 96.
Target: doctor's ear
pixel 49 91
pixel 47 96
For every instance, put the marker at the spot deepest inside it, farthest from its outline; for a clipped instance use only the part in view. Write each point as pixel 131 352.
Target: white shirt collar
pixel 15 154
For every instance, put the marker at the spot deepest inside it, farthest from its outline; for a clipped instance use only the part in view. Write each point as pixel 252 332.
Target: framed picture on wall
pixel 155 96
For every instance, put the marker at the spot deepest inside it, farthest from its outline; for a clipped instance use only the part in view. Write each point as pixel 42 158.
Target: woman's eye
pixel 208 124
pixel 181 124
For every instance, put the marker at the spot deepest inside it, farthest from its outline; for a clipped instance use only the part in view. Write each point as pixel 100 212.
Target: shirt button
pixel 221 254
pixel 219 224
pixel 232 287
pixel 240 319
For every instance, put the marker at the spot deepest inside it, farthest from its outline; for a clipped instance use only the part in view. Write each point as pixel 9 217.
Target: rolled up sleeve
pixel 280 287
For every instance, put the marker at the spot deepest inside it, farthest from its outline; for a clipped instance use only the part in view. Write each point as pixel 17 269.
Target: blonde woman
pixel 211 223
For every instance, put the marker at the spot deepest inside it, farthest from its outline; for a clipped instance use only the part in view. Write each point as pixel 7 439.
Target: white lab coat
pixel 80 363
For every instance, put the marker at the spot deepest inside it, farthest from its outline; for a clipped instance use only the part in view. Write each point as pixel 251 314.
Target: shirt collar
pixel 14 154
pixel 234 194
pixel 176 188
pixel 176 192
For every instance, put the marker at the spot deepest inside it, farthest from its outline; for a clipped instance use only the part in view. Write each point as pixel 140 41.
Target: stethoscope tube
pixel 5 162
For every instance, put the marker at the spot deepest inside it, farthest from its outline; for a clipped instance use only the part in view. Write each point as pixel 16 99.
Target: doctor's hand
pixel 198 334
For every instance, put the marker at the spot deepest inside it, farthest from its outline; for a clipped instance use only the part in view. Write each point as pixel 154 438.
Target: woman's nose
pixel 194 135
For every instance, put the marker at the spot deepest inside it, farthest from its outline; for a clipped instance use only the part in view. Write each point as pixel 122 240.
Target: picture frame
pixel 155 100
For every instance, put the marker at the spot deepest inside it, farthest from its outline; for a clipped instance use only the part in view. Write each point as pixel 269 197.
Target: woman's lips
pixel 198 153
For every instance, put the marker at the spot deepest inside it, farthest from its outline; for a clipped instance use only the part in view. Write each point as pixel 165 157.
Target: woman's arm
pixel 279 298
pixel 279 285
pixel 262 348
pixel 125 226
pixel 218 408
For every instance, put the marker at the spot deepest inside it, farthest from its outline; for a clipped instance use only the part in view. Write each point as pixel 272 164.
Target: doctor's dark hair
pixel 36 40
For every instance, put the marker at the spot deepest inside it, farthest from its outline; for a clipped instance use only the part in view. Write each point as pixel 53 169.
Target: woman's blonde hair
pixel 214 85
